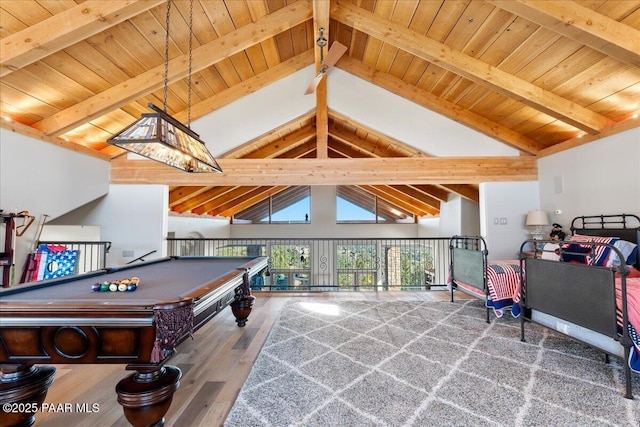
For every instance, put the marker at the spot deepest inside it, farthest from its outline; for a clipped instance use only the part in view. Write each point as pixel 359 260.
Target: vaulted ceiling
pixel 538 76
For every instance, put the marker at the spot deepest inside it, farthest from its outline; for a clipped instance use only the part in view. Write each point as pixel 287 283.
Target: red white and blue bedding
pixel 503 284
pixel 604 256
pixel 633 312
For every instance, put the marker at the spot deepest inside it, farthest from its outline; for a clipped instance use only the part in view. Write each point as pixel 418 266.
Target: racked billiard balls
pixel 104 286
pixel 132 287
pixel 96 287
pixel 113 287
pixel 122 287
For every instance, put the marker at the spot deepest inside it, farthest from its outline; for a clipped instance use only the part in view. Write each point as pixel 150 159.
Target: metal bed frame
pixel 468 255
pixel 579 300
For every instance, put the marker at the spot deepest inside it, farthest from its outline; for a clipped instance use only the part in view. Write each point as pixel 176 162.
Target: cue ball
pixel 122 287
pixel 113 287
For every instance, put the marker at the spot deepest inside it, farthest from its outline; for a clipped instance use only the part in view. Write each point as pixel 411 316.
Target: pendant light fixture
pixel 161 137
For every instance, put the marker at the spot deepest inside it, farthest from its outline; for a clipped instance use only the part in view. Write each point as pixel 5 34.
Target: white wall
pixel 78 233
pixel 458 216
pixel 42 178
pixel 379 109
pixel 506 203
pixel 601 177
pixel 132 217
pixel 406 121
pixel 269 107
pixel 210 228
pixel 429 226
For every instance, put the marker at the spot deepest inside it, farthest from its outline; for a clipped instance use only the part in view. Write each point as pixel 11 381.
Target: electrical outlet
pixel 503 221
pixel 558 211
pixel 496 221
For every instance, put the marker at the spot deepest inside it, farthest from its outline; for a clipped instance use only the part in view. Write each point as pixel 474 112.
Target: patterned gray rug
pixel 425 364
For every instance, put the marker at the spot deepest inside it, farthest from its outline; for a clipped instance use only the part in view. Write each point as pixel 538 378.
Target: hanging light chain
pixel 166 58
pixel 190 61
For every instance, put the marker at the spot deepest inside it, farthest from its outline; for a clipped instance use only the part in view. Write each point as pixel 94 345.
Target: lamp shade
pixel 537 218
pixel 160 137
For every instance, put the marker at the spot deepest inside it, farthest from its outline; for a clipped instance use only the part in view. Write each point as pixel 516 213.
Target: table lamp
pixel 537 219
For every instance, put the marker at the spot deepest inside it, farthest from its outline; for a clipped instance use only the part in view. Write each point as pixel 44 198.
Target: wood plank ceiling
pixel 539 76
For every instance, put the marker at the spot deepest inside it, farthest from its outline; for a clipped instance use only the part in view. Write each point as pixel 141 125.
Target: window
pixel 354 205
pixel 290 206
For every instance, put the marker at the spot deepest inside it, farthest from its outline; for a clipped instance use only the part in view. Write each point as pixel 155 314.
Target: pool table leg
pixel 22 391
pixel 241 307
pixel 146 395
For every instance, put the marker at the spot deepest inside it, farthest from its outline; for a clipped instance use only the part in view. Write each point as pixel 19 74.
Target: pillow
pixel 550 251
pixel 629 252
pixel 575 253
pixel 632 259
pixel 601 252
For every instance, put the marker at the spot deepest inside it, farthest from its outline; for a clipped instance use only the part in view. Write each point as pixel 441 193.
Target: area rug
pixel 363 363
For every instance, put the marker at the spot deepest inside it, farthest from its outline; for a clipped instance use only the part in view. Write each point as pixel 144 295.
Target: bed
pixel 588 287
pixel 497 283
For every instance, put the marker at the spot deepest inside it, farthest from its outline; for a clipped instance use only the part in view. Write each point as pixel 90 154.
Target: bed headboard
pixel 623 226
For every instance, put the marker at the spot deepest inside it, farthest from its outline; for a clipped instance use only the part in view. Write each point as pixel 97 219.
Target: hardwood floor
pixel 214 366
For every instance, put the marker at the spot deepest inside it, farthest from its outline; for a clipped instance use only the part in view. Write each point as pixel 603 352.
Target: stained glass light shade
pixel 160 137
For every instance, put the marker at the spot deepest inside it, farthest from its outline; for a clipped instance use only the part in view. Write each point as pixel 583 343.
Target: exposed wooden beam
pixel 453 170
pixel 582 25
pixel 397 198
pixel 321 20
pixel 418 196
pixel 377 146
pixel 464 191
pixel 307 149
pixel 180 194
pixel 286 143
pixel 242 200
pixel 433 191
pixel 64 29
pixel 345 149
pixel 470 68
pixel 153 79
pixel 200 199
pixel 36 134
pixel 441 106
pixel 248 147
pixel 622 126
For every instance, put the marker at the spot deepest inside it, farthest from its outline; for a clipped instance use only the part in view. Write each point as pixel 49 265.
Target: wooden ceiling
pixel 539 76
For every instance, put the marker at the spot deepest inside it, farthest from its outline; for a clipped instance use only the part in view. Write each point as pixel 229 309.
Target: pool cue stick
pixel 37 239
pixel 14 235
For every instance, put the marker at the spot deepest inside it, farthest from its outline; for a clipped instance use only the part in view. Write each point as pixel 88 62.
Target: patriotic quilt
pixel 503 283
pixel 633 310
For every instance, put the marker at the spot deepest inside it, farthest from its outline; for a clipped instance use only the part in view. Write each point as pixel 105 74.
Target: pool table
pixel 65 321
